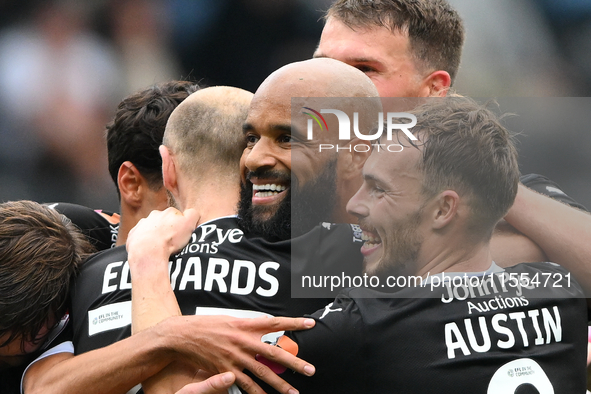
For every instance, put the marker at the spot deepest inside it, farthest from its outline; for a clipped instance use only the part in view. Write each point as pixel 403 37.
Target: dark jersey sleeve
pixel 100 227
pixel 101 316
pixel 326 260
pixel 339 330
pixel 545 186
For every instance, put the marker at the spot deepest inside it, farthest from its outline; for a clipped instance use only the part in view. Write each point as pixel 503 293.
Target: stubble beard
pixel 401 250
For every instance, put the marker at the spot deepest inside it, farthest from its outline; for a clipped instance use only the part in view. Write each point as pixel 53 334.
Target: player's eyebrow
pixel 286 128
pixel 246 127
pixel 318 55
pixel 371 178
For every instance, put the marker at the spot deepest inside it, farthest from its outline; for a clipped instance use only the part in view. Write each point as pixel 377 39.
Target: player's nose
pixel 261 155
pixel 357 205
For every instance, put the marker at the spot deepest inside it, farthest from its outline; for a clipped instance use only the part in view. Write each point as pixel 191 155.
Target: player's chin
pixel 371 258
pixel 264 212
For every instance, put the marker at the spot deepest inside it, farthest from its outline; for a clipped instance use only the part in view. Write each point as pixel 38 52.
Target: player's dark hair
pixel 135 133
pixel 435 30
pixel 40 251
pixel 465 148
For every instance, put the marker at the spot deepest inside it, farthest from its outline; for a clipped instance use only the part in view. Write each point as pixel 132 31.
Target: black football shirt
pixel 221 271
pixel 491 339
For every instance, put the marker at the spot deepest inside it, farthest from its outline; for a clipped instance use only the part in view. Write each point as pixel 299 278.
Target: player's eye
pixel 376 191
pixel 285 139
pixel 251 139
pixel 365 68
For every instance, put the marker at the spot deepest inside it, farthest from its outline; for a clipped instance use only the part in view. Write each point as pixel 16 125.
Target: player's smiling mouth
pixel 267 190
pixel 371 239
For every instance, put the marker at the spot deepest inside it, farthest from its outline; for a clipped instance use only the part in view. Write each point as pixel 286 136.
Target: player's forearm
pixel 152 298
pixel 563 232
pixel 112 369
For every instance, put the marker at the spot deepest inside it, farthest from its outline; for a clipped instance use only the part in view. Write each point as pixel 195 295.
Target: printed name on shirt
pixel 517 329
pixel 207 274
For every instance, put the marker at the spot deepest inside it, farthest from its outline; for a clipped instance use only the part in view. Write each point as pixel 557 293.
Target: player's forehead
pixel 371 43
pixel 266 114
pixel 271 106
pixel 390 167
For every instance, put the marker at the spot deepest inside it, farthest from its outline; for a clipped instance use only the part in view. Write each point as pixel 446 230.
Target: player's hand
pixel 161 234
pixel 227 344
pixel 215 384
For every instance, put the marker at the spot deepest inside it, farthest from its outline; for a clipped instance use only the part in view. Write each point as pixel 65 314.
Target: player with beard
pixel 431 211
pixel 271 135
pixel 282 201
pixel 214 269
pixel 201 152
pixel 299 211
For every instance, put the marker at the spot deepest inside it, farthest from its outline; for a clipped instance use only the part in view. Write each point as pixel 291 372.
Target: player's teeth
pixel 364 237
pixel 269 187
pixel 265 194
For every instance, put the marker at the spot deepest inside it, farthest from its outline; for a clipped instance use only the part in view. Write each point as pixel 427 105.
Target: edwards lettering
pixel 210 274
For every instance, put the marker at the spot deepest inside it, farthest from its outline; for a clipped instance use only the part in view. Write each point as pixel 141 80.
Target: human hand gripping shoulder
pixel 149 246
pixel 213 343
pixel 160 235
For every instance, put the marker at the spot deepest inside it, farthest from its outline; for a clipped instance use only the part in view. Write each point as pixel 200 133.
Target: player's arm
pixel 562 232
pixel 152 298
pixel 118 367
pixel 112 369
pixel 228 346
pixel 510 247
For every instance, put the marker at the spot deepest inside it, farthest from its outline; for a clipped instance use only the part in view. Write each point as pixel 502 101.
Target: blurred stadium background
pixel 66 64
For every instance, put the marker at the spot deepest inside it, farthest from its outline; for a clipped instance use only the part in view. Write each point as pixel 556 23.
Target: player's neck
pixel 130 216
pixel 455 256
pixel 213 201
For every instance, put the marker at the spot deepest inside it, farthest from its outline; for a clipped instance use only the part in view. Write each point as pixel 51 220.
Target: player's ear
pixel 169 176
pixel 437 83
pixel 352 161
pixel 129 181
pixel 446 208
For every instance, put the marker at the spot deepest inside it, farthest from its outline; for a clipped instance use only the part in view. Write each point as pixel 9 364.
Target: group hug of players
pixel 158 296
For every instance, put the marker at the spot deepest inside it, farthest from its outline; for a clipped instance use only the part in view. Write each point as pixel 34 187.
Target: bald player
pixel 267 160
pixel 318 186
pixel 260 280
pixel 455 340
pixel 209 131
